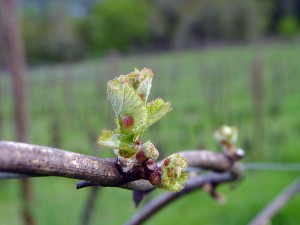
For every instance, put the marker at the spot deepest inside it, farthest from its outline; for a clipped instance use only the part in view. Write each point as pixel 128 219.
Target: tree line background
pixel 73 30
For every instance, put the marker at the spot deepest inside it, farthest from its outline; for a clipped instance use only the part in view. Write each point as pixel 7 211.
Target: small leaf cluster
pixel 129 95
pixel 173 175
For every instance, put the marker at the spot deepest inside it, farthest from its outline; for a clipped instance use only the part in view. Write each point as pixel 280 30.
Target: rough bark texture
pixel 37 160
pixel 45 161
pixel 40 160
pixel 192 184
pixel 209 160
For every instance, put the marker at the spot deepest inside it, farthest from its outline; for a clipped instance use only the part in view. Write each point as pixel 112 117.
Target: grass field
pixel 253 87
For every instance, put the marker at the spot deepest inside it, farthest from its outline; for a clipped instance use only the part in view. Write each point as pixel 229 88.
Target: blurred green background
pixel 230 62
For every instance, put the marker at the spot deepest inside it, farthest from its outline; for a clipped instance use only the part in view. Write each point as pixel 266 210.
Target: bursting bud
pixel 226 133
pixel 227 137
pixel 150 151
pixel 128 95
pixel 173 175
pixel 127 123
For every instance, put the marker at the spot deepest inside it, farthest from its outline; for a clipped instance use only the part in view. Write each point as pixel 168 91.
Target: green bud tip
pixel 173 175
pixel 226 134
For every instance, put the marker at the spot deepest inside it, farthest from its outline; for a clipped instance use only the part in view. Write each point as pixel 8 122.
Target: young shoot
pixel 128 95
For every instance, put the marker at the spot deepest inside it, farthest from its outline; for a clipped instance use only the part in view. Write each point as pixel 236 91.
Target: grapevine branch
pixel 194 183
pixel 280 201
pixel 35 160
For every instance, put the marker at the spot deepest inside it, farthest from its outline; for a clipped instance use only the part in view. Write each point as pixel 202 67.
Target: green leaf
pixel 156 110
pixel 121 144
pixel 109 139
pixel 126 102
pixel 128 95
pixel 143 90
pixel 144 83
pixel 126 150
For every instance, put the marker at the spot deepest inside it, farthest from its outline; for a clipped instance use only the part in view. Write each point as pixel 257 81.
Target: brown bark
pixel 40 160
pixel 45 161
pixel 37 160
pixel 194 183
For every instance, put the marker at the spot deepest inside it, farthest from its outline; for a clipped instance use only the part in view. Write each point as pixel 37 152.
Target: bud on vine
pixel 155 177
pixel 128 95
pixel 127 123
pixel 173 175
pixel 226 133
pixel 150 151
pixel 151 164
pixel 140 156
pixel 227 137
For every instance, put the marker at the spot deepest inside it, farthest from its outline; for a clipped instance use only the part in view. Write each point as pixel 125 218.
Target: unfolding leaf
pixel 144 83
pixel 156 110
pixel 128 95
pixel 122 144
pixel 127 148
pixel 109 139
pixel 126 102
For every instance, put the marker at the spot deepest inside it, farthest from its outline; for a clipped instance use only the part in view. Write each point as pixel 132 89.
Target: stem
pixel 37 160
pixel 90 206
pixel 271 209
pixel 41 160
pixel 191 185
